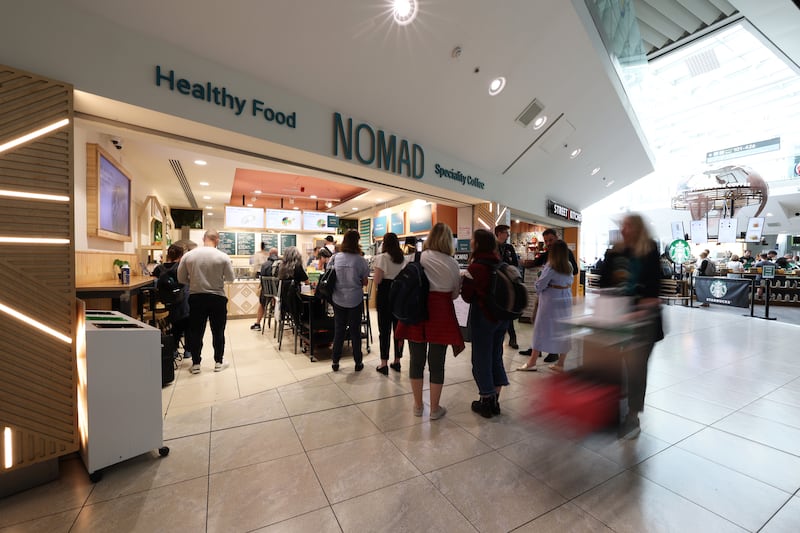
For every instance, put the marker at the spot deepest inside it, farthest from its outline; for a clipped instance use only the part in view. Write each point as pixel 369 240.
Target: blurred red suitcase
pixel 580 403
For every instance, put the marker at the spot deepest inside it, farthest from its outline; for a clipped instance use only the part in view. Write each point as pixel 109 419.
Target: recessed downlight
pixel 313 196
pixel 257 191
pixel 212 207
pixel 595 170
pixel 355 209
pixel 575 153
pixel 610 183
pixel 209 214
pixel 295 208
pixel 497 85
pixel 404 11
pixel 539 122
pixel 206 198
pixel 204 184
pixel 200 162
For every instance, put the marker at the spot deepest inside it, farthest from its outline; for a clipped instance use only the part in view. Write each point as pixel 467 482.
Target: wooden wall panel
pixel 91 267
pixel 38 384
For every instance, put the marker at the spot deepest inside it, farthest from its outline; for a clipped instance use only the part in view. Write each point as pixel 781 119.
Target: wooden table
pixel 119 294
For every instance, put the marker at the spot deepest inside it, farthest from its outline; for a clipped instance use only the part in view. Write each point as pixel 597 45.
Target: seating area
pixel 675 290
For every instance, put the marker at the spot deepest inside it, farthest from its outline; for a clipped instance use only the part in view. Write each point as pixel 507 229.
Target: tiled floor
pixel 277 443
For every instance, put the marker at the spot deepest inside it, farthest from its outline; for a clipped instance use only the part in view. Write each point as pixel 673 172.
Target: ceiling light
pixel 379 200
pixel 595 171
pixel 610 183
pixel 404 11
pixel 212 207
pixel 313 196
pixel 539 122
pixel 204 184
pixel 295 207
pixel 257 191
pixel 209 214
pixel 355 209
pixel 497 85
pixel 200 162
pixel 575 153
pixel 517 221
pixel 769 214
pixel 328 204
pixel 206 198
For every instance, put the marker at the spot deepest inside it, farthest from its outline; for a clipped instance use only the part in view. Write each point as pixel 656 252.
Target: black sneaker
pixel 513 344
pixel 551 358
pixel 256 326
pixel 484 406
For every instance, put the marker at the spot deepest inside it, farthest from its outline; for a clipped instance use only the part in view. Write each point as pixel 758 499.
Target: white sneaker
pixel 218 367
pixel 195 369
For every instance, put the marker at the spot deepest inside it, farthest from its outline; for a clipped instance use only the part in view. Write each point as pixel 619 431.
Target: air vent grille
pixel 530 113
pixel 187 190
pixel 773 224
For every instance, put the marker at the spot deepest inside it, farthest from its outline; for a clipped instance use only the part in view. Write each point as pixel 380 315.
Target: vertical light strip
pixel 496 222
pixel 33 135
pixel 485 225
pixel 33 240
pixel 8 456
pixel 35 323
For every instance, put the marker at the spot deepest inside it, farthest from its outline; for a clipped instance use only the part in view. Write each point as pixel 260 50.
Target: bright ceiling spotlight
pixel 575 153
pixel 200 162
pixel 328 204
pixel 212 207
pixel 404 11
pixel 539 122
pixel 313 196
pixel 497 85
pixel 355 209
pixel 257 191
pixel 595 171
pixel 204 184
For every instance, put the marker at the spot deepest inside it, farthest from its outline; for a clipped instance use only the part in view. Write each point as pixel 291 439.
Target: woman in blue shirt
pixel 352 272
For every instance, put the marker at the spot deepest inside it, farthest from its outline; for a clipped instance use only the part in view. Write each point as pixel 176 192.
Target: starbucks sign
pixel 679 251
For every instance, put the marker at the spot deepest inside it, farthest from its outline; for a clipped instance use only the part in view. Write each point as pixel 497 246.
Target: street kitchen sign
pixel 560 211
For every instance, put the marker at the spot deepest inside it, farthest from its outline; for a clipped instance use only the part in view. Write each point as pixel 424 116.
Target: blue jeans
pixel 487 352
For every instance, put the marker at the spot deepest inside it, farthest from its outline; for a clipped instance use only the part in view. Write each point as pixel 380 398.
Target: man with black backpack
pixel 174 295
pixel 507 255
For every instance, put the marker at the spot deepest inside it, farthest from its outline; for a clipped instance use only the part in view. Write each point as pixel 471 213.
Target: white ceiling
pixel 348 55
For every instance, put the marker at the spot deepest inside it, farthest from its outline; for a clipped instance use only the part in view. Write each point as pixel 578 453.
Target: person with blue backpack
pixel 429 337
pixel 488 330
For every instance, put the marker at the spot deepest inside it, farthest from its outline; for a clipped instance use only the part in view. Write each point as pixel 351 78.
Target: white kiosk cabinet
pixel 119 413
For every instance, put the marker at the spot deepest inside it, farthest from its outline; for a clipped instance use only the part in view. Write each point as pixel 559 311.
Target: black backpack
pixel 170 292
pixel 409 294
pixel 326 284
pixel 507 296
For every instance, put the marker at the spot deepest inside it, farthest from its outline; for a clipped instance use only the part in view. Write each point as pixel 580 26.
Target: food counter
pixel 243 298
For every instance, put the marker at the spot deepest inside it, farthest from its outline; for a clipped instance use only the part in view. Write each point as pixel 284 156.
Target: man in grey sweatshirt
pixel 206 269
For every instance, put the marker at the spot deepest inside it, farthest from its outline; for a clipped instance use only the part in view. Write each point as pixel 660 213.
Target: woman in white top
pixel 428 339
pixel 386 266
pixel 735 267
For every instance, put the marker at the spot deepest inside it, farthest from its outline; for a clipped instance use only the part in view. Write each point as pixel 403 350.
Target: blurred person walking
pixel 632 266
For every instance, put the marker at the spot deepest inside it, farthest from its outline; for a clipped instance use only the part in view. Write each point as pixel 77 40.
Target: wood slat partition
pixel 91 267
pixel 38 385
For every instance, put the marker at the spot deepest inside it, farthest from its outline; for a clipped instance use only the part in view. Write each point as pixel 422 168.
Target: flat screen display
pixel 284 219
pixel 187 218
pixel 244 217
pixel 727 230
pixel 317 221
pixel 114 205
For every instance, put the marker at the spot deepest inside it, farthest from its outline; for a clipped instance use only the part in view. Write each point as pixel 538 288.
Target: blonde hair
pixel 440 239
pixel 642 243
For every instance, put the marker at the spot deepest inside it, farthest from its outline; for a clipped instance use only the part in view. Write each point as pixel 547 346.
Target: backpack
pixel 408 297
pixel 170 292
pixel 326 283
pixel 507 296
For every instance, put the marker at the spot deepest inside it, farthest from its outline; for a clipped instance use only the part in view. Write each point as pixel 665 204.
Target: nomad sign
pixel 558 210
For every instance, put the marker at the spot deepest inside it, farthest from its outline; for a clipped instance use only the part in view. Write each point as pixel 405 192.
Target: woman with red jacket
pixel 428 339
pixel 487 330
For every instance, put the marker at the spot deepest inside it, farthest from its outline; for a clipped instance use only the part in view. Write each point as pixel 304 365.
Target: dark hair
pixel 558 258
pixel 391 246
pixel 781 262
pixel 484 242
pixel 501 228
pixel 175 251
pixel 350 242
pixel 550 231
pixel 329 238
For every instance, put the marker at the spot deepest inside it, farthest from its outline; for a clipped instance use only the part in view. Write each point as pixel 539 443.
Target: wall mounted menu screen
pixel 755 228
pixel 244 217
pixel 317 221
pixel 727 230
pixel 285 219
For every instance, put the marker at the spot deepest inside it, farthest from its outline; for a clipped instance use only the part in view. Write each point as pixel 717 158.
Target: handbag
pixel 326 284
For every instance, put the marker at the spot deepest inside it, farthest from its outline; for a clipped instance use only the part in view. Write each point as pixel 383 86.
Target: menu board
pixel 365 229
pixel 699 231
pixel 727 230
pixel 287 240
pixel 270 240
pixel 420 218
pixel 397 224
pixel 284 219
pixel 318 221
pixel 755 227
pixel 245 243
pixel 227 242
pixel 244 217
pixel 677 230
pixel 379 226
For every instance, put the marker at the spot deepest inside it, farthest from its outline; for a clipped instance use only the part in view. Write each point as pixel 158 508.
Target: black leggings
pixel 433 354
pixel 387 321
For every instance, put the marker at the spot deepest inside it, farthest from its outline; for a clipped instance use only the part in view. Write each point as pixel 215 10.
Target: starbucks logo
pixel 718 289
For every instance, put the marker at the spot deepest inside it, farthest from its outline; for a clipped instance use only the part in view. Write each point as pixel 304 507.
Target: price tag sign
pixel 768 271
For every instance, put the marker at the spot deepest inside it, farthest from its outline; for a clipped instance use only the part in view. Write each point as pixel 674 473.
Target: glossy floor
pixel 278 443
